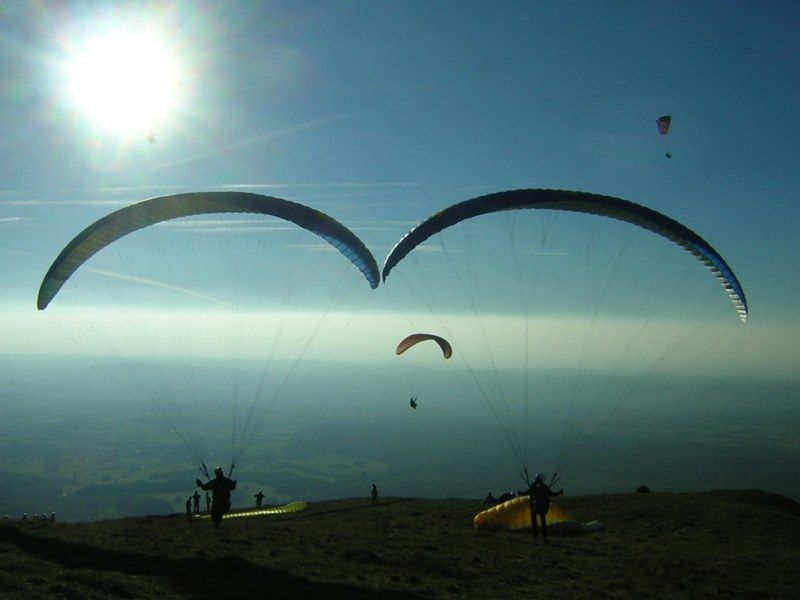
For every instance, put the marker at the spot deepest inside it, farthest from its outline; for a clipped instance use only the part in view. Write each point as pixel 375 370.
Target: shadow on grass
pixel 229 577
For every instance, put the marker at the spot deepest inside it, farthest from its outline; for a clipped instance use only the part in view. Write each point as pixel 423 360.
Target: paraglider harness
pixel 556 477
pixel 204 470
pixel 553 480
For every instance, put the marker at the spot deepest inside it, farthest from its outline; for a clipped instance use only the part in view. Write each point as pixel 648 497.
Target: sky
pixel 381 113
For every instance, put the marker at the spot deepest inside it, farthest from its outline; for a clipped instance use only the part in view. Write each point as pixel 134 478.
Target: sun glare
pixel 124 82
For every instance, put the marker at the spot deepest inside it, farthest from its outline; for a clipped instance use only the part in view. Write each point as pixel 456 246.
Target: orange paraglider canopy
pixel 416 338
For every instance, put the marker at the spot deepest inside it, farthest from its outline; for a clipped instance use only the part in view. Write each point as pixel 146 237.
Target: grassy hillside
pixel 713 544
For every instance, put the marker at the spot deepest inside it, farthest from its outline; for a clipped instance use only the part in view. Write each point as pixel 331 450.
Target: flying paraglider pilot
pixel 539 498
pixel 221 488
pixel 413 402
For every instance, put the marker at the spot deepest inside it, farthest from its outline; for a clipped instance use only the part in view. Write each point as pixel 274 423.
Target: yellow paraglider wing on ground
pixel 292 507
pixel 515 514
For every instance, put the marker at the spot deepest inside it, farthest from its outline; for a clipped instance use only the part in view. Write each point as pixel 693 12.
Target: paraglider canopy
pixel 579 202
pixel 416 338
pixel 127 220
pixel 663 124
pixel 663 129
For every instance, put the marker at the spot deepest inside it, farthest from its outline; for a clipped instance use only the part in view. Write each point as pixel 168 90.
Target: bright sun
pixel 124 82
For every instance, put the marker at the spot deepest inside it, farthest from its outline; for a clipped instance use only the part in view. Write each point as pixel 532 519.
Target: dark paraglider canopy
pixel 579 202
pixel 132 218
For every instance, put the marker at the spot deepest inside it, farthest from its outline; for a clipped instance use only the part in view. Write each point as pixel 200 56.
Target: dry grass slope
pixel 714 544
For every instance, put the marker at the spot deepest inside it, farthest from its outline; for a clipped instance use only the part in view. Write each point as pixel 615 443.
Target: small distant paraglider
pixel 663 124
pixel 416 338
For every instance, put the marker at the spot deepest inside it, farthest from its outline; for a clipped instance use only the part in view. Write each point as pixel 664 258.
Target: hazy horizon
pixel 89 451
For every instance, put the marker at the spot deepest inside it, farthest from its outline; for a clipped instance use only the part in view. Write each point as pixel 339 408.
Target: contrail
pixel 332 184
pixel 80 202
pixel 278 133
pixel 157 284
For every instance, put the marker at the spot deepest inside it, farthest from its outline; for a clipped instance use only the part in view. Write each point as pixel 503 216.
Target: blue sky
pixel 380 113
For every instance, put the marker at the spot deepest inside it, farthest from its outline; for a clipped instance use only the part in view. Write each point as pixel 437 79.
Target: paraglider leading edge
pixel 120 223
pixel 580 202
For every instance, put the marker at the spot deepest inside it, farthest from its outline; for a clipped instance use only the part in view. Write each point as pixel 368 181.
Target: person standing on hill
pixel 208 503
pixel 220 488
pixel 259 498
pixel 196 498
pixel 539 494
pixel 374 493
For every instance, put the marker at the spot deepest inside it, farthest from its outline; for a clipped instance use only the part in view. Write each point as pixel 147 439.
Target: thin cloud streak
pixel 156 284
pixel 232 223
pixel 543 252
pixel 139 188
pixel 99 190
pixel 235 230
pixel 253 141
pixel 342 184
pixel 82 202
pixel 323 247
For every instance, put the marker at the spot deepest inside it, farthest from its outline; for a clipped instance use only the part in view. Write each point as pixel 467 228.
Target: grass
pixel 740 543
